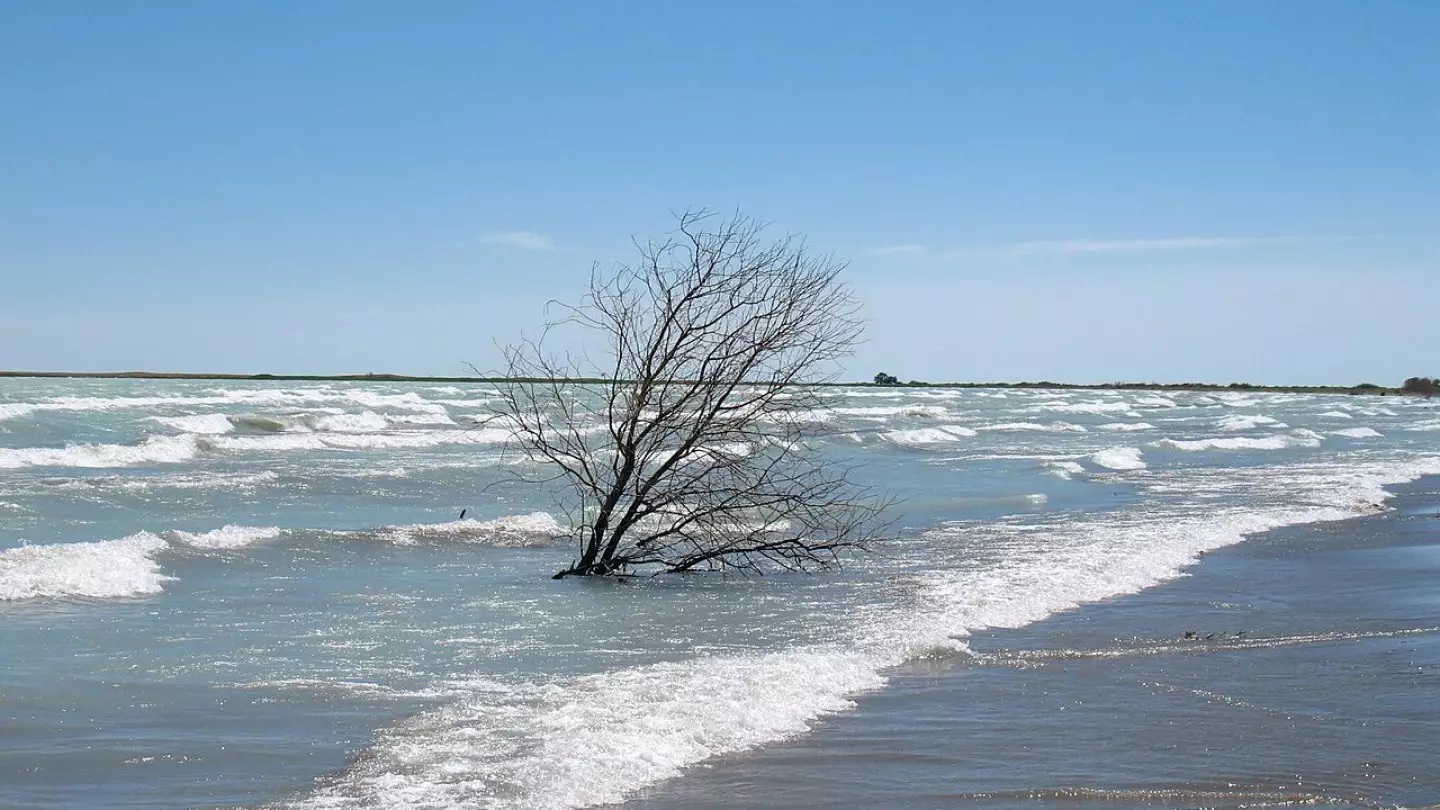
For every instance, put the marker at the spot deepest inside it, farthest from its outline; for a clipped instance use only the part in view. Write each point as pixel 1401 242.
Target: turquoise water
pixel 262 594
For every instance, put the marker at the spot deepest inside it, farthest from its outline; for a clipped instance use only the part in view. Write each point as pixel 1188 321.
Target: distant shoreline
pixel 1363 388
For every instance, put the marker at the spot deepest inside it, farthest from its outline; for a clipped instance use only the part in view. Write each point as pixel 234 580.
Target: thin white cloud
pixel 899 250
pixel 520 240
pixel 1068 246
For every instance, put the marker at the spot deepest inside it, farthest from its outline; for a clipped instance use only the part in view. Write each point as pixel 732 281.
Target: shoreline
pixel 1295 667
pixel 1362 388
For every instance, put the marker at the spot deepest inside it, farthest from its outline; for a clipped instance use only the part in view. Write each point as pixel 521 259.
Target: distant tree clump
pixel 691 452
pixel 1421 385
pixel 886 379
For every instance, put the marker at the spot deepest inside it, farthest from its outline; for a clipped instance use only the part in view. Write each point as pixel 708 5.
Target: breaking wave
pixel 1358 433
pixel 205 423
pixel 1126 427
pixel 595 739
pixel 921 437
pixel 357 441
pixel 1053 427
pixel 514 531
pixel 1061 406
pixel 1236 421
pixel 1065 469
pixel 183 447
pixel 107 569
pixel 15 410
pixel 1118 458
pixel 228 537
pixel 154 450
pixel 1299 438
pixel 365 422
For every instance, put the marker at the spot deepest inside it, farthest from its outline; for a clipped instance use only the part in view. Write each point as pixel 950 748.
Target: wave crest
pixel 106 569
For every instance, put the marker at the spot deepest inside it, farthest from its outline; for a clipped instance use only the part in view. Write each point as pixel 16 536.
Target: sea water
pixel 263 594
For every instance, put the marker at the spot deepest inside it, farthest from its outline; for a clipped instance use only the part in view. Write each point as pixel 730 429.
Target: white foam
pixel 1358 433
pixel 920 437
pixel 222 397
pixel 1298 438
pixel 1336 415
pixel 1126 427
pixel 359 441
pixel 1094 407
pixel 154 450
pixel 1065 469
pixel 1058 562
pixel 1237 421
pixel 228 537
pixel 207 423
pixel 1155 401
pixel 106 569
pixel 596 739
pixel 409 401
pixel 1053 427
pixel 365 422
pixel 905 411
pixel 1118 458
pixel 337 421
pixel 515 531
pixel 420 419
pixel 15 410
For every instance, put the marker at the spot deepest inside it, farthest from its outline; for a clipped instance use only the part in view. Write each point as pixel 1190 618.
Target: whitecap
pixel 1119 458
pixel 1238 422
pixel 358 441
pixel 533 529
pixel 206 423
pixel 154 450
pixel 1065 469
pixel 1299 438
pixel 15 410
pixel 1053 427
pixel 106 569
pixel 1093 407
pixel 1358 433
pixel 920 437
pixel 228 537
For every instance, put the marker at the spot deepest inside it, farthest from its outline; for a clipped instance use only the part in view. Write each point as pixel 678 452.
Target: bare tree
pixel 687 450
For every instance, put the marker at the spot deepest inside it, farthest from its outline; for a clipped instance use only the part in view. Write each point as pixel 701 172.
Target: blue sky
pixel 1083 192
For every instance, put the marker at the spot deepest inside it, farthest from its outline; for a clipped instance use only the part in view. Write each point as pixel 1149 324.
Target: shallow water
pixel 1297 668
pixel 260 593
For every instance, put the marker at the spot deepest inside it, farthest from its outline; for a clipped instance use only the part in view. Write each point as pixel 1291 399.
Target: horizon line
pixel 388 377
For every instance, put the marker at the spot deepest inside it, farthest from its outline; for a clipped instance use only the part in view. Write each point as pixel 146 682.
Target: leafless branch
pixel 690 449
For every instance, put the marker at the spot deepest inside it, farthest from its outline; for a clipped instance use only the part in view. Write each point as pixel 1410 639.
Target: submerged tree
pixel 691 452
